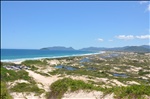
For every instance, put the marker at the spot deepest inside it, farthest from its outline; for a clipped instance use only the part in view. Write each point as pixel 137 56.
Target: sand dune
pixel 45 81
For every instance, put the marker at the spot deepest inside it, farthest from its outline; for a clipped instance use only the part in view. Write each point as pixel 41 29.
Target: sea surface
pixel 8 55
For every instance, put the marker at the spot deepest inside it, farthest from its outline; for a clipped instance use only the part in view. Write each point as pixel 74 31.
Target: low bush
pixel 11 75
pixel 27 87
pixel 59 87
pixel 36 62
pixel 4 92
pixel 141 72
pixel 130 92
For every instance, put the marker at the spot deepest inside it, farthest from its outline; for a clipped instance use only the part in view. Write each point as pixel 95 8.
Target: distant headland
pixel 142 48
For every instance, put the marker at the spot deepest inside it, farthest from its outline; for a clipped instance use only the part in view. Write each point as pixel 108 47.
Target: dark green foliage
pixel 131 92
pixel 26 87
pixel 4 92
pixel 6 63
pixel 94 73
pixel 141 72
pixel 11 75
pixel 33 67
pixel 34 62
pixel 59 87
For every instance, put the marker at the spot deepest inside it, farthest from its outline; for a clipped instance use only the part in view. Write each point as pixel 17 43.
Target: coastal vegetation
pixel 80 72
pixel 131 92
pixel 60 87
pixel 119 67
pixel 6 63
pixel 11 75
pixel 27 87
pixel 126 75
pixel 4 91
pixel 5 74
pixel 34 62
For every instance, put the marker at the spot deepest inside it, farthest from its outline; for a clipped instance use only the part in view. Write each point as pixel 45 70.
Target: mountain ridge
pixel 142 48
pixel 58 48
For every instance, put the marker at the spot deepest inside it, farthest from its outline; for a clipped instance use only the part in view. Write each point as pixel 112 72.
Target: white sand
pixel 17 62
pixel 148 75
pixel 132 83
pixel 45 81
pixel 53 62
pixel 86 95
pixel 118 83
pixel 26 96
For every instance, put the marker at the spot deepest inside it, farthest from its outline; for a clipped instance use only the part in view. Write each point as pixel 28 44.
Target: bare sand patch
pixel 86 95
pixel 27 96
pixel 17 62
pixel 118 82
pixel 53 62
pixel 45 81
pixel 132 82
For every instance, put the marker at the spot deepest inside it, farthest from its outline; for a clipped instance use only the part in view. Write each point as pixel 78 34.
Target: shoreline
pixel 18 61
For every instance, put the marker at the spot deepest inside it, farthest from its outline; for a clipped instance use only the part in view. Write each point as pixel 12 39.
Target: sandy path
pixel 45 81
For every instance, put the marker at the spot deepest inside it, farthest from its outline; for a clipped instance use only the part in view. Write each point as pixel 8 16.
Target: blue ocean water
pixel 25 54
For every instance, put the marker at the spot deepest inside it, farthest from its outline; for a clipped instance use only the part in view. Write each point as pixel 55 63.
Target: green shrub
pixel 32 62
pixel 11 75
pixel 141 72
pixel 59 87
pixel 6 63
pixel 93 73
pixel 4 92
pixel 27 87
pixel 131 92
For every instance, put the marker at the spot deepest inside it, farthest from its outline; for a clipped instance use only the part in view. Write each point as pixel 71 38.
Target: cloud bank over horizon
pixel 129 37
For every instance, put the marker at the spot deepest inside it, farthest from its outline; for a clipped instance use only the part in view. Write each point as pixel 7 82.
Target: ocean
pixel 10 55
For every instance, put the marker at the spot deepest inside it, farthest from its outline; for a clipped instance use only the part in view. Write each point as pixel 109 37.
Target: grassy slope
pixel 59 87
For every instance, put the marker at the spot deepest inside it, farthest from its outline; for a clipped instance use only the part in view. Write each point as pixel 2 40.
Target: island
pixel 58 48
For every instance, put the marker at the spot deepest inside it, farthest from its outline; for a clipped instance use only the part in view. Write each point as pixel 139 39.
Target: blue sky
pixel 37 24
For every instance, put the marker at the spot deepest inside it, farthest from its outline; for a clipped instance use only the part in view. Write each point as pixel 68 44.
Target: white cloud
pixel 100 40
pixel 110 40
pixel 145 2
pixel 129 37
pixel 143 37
pixel 142 2
pixel 148 7
pixel 124 37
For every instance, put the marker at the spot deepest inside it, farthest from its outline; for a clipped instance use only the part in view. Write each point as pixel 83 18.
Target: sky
pixel 77 24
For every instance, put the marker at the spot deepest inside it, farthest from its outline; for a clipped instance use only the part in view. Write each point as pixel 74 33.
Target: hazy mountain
pixel 93 49
pixel 142 48
pixel 146 46
pixel 136 49
pixel 57 48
